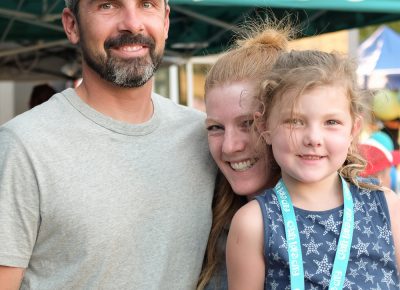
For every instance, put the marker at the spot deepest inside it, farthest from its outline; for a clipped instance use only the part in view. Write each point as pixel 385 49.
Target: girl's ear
pixel 262 127
pixel 357 126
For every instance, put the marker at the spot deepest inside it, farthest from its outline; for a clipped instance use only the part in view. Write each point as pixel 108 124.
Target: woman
pixel 230 88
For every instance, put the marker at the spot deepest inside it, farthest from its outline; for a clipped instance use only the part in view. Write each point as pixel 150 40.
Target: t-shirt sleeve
pixel 19 202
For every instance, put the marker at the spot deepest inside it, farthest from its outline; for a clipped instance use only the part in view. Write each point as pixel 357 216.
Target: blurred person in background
pixel 40 94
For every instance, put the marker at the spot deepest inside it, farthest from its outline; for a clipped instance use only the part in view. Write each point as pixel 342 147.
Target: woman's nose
pixel 233 142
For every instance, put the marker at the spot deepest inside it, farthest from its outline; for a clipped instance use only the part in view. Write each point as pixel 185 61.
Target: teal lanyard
pixel 293 239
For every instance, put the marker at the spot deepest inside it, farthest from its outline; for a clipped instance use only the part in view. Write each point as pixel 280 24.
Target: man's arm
pixel 10 278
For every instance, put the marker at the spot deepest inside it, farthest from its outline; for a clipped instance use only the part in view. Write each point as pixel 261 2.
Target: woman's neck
pixel 317 196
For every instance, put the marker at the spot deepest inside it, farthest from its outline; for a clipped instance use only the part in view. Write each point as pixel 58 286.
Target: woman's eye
pixel 212 128
pixel 248 123
pixel 293 122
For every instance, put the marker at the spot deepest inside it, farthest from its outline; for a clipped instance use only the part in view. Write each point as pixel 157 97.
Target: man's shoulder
pixel 36 119
pixel 167 106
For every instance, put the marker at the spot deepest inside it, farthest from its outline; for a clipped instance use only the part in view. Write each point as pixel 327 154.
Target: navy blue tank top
pixel 372 263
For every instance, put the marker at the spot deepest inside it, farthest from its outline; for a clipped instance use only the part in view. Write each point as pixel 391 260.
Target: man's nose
pixel 131 20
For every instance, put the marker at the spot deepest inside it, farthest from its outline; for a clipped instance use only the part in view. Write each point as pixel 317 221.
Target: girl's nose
pixel 312 136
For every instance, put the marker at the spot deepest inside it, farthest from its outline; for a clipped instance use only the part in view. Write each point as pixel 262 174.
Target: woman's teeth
pixel 243 165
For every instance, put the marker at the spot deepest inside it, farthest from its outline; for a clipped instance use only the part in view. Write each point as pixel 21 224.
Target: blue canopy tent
pixel 380 54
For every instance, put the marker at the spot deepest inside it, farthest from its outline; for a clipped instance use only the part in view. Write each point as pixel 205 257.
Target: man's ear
pixel 70 25
pixel 262 127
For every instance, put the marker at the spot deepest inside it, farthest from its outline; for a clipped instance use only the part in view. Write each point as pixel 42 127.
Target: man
pixel 107 186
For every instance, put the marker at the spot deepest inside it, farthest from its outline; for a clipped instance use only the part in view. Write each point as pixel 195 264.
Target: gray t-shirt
pixel 88 202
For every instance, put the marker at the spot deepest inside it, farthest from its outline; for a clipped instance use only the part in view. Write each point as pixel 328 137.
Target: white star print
pixel 312 247
pixel 332 245
pixel 368 218
pixel 325 282
pixel 373 206
pixel 361 264
pixel 357 225
pixel 308 230
pixel 388 278
pixel 369 278
pixel 330 225
pixel 347 284
pixel 284 244
pixel 384 233
pixel 386 258
pixel 367 231
pixel 275 257
pixel 377 247
pixel 323 266
pixel 274 285
pixel 358 206
pixel 313 217
pixel 353 272
pixel 273 226
pixel 366 192
pixel 361 247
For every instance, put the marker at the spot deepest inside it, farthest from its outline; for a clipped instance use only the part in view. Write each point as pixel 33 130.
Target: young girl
pixel 321 226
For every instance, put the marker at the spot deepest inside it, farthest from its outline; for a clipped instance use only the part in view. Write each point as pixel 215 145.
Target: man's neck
pixel 130 105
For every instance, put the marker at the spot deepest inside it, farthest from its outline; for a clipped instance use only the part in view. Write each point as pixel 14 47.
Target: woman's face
pixel 229 120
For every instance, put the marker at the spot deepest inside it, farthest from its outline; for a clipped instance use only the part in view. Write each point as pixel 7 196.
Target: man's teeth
pixel 243 165
pixel 131 48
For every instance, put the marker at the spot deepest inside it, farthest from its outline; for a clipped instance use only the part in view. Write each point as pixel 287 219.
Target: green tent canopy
pixel 31 30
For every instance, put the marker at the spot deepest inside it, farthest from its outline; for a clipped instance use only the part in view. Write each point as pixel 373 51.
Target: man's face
pixel 123 41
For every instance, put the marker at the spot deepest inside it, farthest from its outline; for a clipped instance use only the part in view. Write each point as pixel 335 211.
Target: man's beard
pixel 127 73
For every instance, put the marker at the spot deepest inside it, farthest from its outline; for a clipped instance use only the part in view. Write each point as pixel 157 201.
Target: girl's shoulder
pixel 247 219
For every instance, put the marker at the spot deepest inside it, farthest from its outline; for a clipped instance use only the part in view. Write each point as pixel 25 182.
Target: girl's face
pixel 229 120
pixel 311 143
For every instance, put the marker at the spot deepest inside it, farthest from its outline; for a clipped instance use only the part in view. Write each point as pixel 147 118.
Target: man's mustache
pixel 127 39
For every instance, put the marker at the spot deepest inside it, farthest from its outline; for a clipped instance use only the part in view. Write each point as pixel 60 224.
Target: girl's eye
pixel 332 122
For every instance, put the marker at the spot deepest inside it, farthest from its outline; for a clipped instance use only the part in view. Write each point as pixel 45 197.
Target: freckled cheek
pixel 215 147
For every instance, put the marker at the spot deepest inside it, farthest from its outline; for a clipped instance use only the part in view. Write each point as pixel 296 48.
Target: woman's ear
pixel 262 127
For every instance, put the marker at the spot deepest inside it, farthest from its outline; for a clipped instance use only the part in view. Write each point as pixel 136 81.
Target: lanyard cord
pixel 293 239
